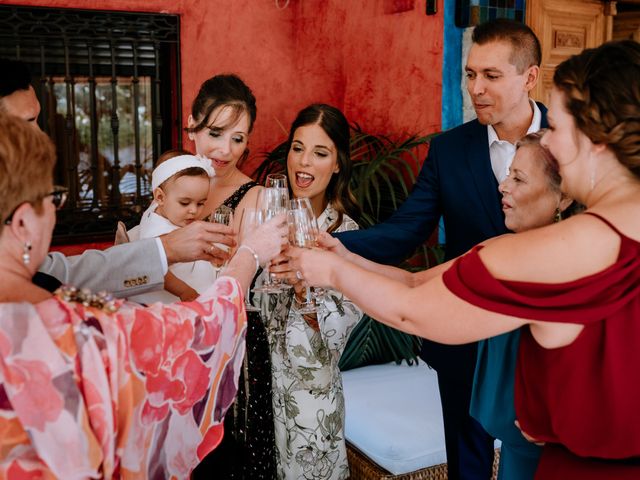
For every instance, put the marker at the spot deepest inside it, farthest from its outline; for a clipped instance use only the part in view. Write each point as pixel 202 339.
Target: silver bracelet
pixel 252 252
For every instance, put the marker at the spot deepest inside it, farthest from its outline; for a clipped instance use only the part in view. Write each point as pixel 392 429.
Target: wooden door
pixel 566 27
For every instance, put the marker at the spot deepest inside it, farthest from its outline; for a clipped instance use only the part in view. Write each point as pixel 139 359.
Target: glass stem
pixel 308 295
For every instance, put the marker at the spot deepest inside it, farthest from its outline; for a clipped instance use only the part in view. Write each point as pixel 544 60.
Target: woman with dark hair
pixel 308 402
pixel 221 120
pixel 336 193
pixel 574 285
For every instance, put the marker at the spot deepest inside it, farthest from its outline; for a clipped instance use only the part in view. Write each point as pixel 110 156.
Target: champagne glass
pixel 224 216
pixel 276 180
pixel 272 201
pixel 305 204
pixel 303 232
pixel 250 219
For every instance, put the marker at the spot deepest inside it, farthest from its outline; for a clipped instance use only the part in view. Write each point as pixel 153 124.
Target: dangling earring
pixel 558 215
pixel 26 256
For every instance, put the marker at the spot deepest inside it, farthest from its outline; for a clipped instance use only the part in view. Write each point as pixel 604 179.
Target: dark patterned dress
pixel 247 450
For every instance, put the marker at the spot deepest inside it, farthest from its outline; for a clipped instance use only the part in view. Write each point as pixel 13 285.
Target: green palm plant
pixel 383 171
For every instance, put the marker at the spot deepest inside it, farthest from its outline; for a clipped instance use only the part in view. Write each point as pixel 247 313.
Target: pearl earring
pixel 26 255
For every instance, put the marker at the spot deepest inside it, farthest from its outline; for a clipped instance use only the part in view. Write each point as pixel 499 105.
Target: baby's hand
pixel 188 295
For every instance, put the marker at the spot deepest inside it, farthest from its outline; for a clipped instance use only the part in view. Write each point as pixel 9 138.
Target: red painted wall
pixel 384 70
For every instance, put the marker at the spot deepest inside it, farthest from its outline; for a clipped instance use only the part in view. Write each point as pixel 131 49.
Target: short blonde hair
pixel 27 158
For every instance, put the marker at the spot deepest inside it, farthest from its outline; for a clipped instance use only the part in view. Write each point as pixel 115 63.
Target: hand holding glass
pixel 272 201
pixel 303 231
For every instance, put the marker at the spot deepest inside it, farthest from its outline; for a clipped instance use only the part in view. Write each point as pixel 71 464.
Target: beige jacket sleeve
pixel 124 270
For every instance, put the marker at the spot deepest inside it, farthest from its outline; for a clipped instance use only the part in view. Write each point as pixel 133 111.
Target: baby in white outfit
pixel 180 189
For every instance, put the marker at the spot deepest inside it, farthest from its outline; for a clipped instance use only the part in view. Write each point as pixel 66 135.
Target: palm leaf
pixel 373 343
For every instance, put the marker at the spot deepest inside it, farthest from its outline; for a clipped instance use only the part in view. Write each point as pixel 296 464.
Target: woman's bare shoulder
pixel 250 199
pixel 561 252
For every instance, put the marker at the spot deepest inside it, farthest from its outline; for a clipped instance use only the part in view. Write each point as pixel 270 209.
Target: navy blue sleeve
pixel 409 227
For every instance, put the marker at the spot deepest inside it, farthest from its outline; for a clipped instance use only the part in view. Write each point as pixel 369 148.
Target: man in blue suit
pixel 459 182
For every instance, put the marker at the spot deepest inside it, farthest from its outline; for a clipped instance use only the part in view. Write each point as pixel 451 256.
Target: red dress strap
pixel 610 225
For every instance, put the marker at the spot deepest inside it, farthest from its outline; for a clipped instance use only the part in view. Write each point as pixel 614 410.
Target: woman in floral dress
pixel 308 400
pixel 92 387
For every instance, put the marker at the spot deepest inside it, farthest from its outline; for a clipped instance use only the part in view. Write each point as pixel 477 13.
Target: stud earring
pixel 26 255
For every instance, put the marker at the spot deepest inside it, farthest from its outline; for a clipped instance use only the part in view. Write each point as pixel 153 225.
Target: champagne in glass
pixel 303 203
pixel 272 201
pixel 303 232
pixel 224 216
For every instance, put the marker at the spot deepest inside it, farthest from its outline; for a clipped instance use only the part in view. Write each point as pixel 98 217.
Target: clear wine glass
pixel 250 219
pixel 318 293
pixel 303 232
pixel 224 216
pixel 272 201
pixel 276 180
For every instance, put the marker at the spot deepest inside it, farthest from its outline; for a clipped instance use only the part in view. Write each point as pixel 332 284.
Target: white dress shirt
pixel 502 152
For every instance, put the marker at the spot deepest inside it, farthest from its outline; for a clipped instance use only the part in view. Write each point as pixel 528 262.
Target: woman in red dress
pixel 575 284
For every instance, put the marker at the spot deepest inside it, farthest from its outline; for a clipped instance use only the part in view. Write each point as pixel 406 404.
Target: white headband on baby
pixel 176 164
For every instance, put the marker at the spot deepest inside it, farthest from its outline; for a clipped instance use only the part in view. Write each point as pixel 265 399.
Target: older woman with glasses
pixel 58 199
pixel 93 387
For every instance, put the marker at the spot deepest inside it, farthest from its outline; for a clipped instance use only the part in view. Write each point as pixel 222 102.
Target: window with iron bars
pixel 108 84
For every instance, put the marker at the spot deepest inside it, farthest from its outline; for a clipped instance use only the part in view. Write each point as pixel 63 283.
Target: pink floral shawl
pixel 136 394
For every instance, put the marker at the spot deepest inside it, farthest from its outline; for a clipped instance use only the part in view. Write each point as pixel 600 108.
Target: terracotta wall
pixel 383 69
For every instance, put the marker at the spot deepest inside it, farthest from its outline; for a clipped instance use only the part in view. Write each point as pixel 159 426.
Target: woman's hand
pixel 281 269
pixel 268 239
pixel 313 266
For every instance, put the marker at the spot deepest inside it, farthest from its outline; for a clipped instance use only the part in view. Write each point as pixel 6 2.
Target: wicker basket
pixel 364 469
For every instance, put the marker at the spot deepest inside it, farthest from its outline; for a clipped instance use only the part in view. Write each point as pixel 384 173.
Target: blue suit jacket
pixel 455 182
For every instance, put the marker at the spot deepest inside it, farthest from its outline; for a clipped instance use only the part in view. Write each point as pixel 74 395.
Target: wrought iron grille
pixel 109 87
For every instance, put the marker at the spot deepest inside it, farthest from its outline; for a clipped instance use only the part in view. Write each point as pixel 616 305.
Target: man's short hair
pixel 15 76
pixel 525 46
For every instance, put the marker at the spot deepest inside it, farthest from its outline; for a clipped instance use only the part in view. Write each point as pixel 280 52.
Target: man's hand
pixel 196 242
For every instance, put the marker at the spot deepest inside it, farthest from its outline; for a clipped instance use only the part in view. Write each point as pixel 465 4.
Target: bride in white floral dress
pixel 308 401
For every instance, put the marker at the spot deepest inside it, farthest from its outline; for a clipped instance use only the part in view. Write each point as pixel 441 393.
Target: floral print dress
pixel 133 394
pixel 308 400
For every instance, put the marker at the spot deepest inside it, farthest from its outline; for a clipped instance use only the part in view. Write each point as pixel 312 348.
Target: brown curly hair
pixel 602 93
pixel 27 158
